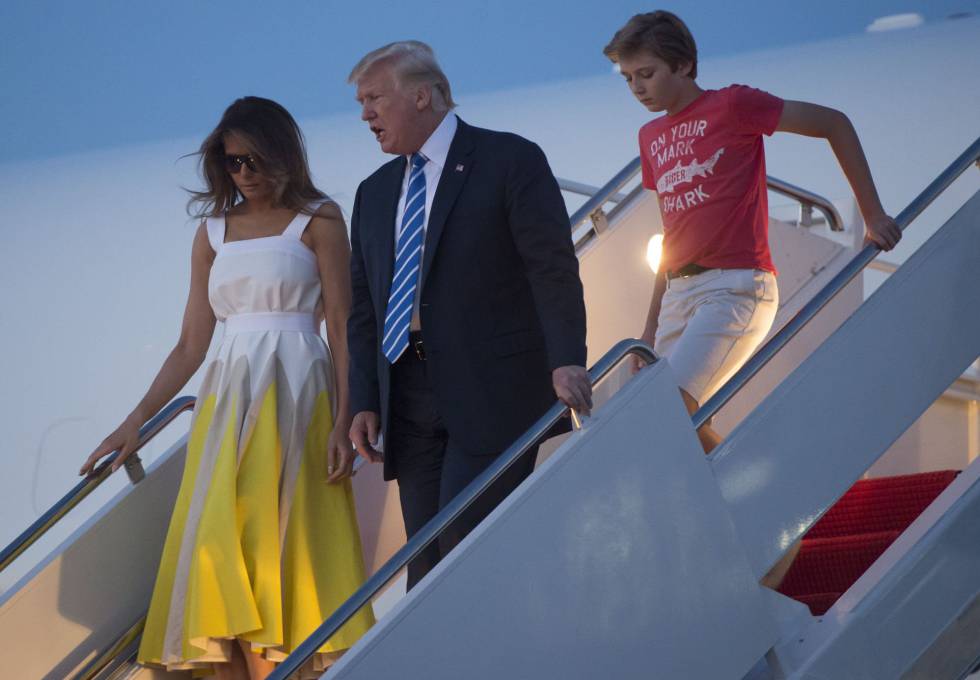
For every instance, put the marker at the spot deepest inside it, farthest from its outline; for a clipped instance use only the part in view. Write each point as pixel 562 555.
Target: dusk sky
pixel 80 76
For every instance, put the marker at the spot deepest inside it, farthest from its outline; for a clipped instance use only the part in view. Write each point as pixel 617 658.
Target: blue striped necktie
pixel 408 251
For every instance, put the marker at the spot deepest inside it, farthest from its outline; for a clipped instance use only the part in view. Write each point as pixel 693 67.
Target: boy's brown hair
pixel 661 34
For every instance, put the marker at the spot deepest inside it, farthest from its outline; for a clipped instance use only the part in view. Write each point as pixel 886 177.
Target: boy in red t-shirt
pixel 715 294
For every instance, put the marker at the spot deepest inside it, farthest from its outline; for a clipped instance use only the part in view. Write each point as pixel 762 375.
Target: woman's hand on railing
pixel 124 439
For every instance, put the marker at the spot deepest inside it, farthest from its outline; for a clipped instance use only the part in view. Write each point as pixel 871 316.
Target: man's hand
pixel 882 231
pixel 572 386
pixel 364 431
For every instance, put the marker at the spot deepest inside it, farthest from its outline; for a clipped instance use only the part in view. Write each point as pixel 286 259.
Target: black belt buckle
pixel 415 340
pixel 687 270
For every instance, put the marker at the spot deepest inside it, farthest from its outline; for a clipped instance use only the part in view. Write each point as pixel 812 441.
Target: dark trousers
pixel 431 469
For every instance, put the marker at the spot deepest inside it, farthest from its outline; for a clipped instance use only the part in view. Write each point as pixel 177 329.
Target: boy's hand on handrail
pixel 882 231
pixel 637 363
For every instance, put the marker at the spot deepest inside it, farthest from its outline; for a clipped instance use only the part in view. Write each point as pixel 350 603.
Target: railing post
pixel 51 517
pixel 806 215
pixel 599 220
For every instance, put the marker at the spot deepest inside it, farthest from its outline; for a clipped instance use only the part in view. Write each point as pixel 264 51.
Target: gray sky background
pixel 80 76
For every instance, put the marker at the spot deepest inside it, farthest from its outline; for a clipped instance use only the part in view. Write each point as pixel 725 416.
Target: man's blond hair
pixel 414 63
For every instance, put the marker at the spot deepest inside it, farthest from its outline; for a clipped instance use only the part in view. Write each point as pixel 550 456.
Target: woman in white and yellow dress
pixel 263 544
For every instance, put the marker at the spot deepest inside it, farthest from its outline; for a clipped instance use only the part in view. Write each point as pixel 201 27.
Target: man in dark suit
pixel 468 317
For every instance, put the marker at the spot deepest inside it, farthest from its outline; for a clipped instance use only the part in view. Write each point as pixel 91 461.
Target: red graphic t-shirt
pixel 708 167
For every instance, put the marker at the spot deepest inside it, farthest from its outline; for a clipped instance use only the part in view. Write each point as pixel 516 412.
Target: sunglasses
pixel 234 163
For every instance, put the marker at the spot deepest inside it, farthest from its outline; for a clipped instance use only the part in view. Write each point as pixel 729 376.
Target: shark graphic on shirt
pixel 681 173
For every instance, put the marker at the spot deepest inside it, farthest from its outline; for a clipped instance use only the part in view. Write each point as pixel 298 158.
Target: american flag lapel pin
pixel 459 167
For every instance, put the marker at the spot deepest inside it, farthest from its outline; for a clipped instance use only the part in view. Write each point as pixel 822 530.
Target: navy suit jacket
pixel 501 300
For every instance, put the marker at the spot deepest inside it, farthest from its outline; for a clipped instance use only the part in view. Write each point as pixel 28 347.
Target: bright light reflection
pixel 655 249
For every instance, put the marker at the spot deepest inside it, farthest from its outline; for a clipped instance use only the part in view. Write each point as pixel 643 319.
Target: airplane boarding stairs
pixel 630 554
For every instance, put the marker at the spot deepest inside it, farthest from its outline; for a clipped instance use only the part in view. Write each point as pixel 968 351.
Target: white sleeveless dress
pixel 260 547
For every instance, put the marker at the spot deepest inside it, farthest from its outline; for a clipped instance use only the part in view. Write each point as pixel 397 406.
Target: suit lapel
pixel 391 186
pixel 451 182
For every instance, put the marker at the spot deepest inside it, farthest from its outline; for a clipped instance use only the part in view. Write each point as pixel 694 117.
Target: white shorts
pixel 711 323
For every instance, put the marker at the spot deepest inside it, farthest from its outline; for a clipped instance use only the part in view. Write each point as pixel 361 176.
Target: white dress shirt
pixel 435 149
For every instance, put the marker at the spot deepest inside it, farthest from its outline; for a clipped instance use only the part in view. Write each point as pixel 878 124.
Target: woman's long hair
pixel 276 143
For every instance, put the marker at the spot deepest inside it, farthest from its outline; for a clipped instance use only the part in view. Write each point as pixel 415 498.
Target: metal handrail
pixel 808 201
pixel 592 209
pixel 125 642
pixel 447 515
pixel 94 480
pixel 836 284
pixel 583 189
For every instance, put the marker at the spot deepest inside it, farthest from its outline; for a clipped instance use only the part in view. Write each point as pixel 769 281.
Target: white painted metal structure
pixel 609 561
pixel 616 559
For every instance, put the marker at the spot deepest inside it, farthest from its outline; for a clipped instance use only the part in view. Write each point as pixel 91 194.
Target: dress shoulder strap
pixel 216 231
pixel 302 220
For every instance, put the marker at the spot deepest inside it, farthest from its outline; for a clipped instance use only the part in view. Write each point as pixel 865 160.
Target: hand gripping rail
pixel 447 515
pixel 833 287
pixel 133 468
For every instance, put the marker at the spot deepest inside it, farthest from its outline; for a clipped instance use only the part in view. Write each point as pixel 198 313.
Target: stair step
pixel 855 532
pixel 881 504
pixel 828 565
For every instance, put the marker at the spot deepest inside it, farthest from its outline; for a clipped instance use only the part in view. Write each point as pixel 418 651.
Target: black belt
pixel 415 342
pixel 687 270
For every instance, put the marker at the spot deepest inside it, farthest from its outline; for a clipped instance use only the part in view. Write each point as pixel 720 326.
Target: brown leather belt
pixel 687 270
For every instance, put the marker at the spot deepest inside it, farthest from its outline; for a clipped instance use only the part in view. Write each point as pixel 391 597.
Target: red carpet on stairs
pixel 855 532
pixel 831 565
pixel 881 504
